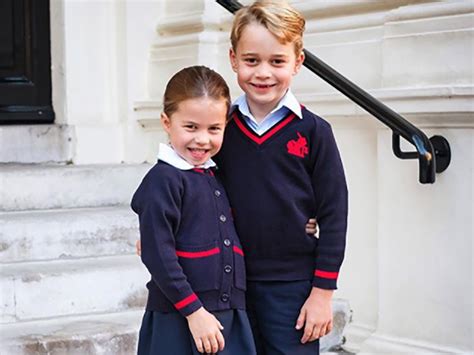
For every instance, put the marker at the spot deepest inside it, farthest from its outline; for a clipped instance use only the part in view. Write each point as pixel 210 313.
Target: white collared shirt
pixel 167 154
pixel 287 103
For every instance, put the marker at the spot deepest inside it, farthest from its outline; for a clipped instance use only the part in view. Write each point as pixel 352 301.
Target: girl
pixel 196 295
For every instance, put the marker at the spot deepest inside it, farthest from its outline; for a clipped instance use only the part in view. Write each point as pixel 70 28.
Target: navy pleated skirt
pixel 168 334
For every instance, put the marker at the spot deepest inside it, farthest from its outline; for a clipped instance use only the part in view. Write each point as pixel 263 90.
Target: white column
pixel 91 82
pixel 141 31
pixel 188 32
pixel 425 232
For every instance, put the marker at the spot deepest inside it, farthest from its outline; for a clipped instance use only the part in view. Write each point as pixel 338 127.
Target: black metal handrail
pixel 433 154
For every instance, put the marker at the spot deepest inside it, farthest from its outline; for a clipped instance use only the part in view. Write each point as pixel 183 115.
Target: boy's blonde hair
pixel 278 17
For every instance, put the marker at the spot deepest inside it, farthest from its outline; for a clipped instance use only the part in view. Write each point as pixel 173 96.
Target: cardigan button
pixel 227 269
pixel 224 297
pixel 217 193
pixel 222 218
pixel 227 242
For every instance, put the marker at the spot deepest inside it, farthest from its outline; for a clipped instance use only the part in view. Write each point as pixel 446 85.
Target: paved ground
pixel 337 351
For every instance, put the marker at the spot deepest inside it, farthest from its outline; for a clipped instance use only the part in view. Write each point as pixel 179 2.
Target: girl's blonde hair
pixel 191 83
pixel 278 17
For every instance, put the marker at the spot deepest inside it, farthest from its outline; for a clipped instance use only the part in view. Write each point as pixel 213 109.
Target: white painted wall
pixel 100 55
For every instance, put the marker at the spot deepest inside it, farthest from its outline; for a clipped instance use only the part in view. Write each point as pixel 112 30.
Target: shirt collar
pixel 288 100
pixel 167 154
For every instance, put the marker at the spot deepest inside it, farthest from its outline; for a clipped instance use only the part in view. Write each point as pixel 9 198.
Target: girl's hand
pixel 138 247
pixel 312 227
pixel 206 331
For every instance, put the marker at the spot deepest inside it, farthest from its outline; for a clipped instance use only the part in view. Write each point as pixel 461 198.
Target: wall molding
pixel 148 114
pixel 185 39
pixel 438 107
pixel 193 22
pixel 324 9
pixel 427 107
pixel 433 10
pixel 323 16
pixel 379 343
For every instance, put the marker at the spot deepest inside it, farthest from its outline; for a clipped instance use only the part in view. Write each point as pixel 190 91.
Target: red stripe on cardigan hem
pixel 238 250
pixel 326 274
pixel 188 300
pixel 197 254
pixel 266 135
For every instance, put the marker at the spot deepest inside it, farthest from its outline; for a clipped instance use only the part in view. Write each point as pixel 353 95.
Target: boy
pixel 280 164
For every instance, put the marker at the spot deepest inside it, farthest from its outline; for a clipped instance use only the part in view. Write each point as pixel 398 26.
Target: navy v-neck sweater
pixel 275 183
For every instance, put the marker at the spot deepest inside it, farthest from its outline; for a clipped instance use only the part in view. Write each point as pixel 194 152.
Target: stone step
pixel 38 187
pixel 70 287
pixel 36 143
pixel 69 233
pixel 104 334
pixel 341 317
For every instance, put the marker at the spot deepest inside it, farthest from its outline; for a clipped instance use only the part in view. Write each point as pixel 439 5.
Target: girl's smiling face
pixel 196 128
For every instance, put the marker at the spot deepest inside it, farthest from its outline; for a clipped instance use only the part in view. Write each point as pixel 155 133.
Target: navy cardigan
pixel 189 243
pixel 277 181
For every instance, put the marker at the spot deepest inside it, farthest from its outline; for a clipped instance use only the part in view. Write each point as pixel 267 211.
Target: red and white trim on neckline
pixel 204 171
pixel 261 139
pixel 326 274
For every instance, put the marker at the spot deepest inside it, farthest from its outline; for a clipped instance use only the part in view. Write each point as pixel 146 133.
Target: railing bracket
pixel 442 151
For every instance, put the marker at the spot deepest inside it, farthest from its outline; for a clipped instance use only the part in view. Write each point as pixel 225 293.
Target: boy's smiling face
pixel 264 67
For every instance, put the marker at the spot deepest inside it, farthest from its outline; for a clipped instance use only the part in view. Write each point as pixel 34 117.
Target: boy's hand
pixel 206 331
pixel 316 315
pixel 312 227
pixel 138 247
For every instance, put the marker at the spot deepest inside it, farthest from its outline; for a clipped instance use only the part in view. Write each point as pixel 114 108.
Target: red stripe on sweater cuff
pixel 326 274
pixel 183 303
pixel 238 250
pixel 197 254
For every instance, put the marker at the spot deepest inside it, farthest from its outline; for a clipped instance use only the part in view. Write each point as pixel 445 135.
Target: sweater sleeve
pixel 158 205
pixel 331 196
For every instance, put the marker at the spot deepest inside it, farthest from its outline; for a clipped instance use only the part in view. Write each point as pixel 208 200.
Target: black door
pixel 25 62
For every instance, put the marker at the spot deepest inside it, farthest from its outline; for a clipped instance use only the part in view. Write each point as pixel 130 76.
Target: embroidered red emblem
pixel 298 147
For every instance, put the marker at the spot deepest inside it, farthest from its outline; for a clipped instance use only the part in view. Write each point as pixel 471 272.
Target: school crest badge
pixel 298 147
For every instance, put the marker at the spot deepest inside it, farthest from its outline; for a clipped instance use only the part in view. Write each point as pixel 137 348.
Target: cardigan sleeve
pixel 331 197
pixel 158 205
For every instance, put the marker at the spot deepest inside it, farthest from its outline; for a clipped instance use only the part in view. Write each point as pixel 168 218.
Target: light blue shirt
pixel 287 103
